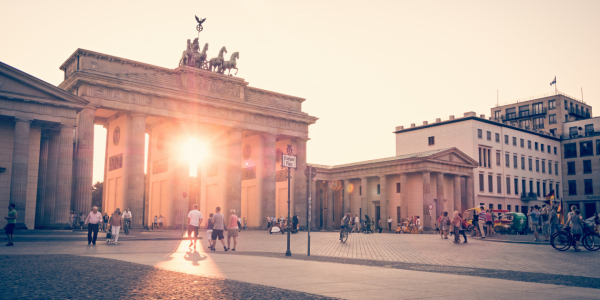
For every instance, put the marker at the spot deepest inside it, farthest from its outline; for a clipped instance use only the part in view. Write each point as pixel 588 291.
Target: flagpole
pixel 555 86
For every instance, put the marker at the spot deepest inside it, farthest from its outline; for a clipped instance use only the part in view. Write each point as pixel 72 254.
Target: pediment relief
pixel 11 85
pixel 454 156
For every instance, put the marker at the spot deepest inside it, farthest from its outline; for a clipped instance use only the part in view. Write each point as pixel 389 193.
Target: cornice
pixel 98 55
pixel 261 91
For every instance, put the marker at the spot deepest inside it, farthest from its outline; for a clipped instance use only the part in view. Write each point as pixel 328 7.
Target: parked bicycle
pixel 563 240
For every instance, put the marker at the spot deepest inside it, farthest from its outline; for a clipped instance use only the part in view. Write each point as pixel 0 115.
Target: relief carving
pixel 100 92
pixel 117 95
pixel 160 166
pixel 115 162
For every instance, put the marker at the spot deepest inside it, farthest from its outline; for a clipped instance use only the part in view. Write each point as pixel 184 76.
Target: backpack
pixel 464 224
pixel 448 221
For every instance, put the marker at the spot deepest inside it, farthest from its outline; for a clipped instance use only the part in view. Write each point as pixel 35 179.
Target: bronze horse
pixel 217 62
pixel 230 64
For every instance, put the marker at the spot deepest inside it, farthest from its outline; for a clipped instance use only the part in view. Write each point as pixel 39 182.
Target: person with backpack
pixel 463 227
pixel 445 225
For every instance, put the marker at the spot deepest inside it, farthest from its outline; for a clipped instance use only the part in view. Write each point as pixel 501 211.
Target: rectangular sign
pixel 288 161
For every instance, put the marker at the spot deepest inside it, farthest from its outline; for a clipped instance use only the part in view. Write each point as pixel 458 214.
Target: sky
pixel 364 67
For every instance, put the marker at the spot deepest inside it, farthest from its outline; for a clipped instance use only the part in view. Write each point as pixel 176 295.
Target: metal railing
pixel 528 196
pixel 537 97
pixel 524 114
pixel 579 112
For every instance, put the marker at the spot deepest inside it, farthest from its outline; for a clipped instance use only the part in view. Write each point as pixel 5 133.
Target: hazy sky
pixel 364 67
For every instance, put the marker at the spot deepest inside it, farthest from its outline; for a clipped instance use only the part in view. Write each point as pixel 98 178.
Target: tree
pixel 97 190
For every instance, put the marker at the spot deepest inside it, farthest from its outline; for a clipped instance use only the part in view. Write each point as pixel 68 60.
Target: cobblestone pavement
pixel 39 277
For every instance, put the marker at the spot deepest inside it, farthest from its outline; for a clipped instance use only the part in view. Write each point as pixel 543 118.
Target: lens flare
pixel 194 152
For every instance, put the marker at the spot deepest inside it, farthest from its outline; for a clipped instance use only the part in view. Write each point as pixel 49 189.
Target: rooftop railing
pixel 538 97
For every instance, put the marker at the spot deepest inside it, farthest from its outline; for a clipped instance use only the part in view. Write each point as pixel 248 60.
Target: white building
pixel 517 167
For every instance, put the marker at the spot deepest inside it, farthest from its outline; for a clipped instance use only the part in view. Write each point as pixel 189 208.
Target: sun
pixel 194 152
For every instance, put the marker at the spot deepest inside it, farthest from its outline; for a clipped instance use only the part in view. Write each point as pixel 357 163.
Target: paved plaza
pixel 368 266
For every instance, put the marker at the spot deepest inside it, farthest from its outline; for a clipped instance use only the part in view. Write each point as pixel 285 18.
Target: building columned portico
pixel 396 187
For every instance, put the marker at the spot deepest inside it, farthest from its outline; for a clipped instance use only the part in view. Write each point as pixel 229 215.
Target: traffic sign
pixel 310 172
pixel 430 206
pixel 288 161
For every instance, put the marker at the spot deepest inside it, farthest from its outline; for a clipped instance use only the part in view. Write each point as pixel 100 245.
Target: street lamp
pixel 288 161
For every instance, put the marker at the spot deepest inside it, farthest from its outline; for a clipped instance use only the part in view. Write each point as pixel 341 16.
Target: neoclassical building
pixel 396 187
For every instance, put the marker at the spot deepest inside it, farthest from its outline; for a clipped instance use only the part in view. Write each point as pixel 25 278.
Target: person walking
pixel 489 222
pixel 155 223
pixel 390 223
pixel 209 230
pixel 418 224
pixel 11 221
pixel 93 221
pixel 463 227
pixel 81 221
pixel 116 221
pixel 545 219
pixel 445 225
pixel 482 221
pixel 356 223
pixel 438 224
pixel 457 225
pixel 72 219
pixel 161 221
pixel 535 222
pixel 554 221
pixel 126 220
pixel 295 222
pixel 268 222
pixel 476 223
pixel 232 230
pixel 576 227
pixel 379 225
pixel 218 228
pixel 105 219
pixel 194 221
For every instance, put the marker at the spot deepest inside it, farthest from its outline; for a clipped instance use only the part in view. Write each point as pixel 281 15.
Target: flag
pixel 553 81
pixel 550 198
pixel 561 216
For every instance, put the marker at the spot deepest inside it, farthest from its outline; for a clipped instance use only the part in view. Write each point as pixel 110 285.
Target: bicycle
pixel 344 234
pixel 563 240
pixel 126 226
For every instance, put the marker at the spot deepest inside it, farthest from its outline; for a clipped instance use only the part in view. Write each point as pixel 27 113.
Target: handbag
pixel 109 235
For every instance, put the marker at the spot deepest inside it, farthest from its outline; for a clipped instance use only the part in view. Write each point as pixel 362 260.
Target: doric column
pixel 134 195
pixel 146 223
pixel 383 201
pixel 51 180
pixel 347 196
pixel 105 168
pixel 268 176
pixel 233 179
pixel 314 203
pixel 441 205
pixel 329 206
pixel 20 166
pixel 403 196
pixel 457 194
pixel 470 191
pixel 355 203
pixel 427 219
pixel 300 195
pixel 64 173
pixel 84 153
pixel 41 186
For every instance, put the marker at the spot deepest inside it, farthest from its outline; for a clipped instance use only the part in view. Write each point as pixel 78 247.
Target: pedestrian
pixel 545 219
pixel 482 221
pixel 244 223
pixel 445 225
pixel 116 221
pixel 576 227
pixel 476 222
pixel 232 229
pixel 127 219
pixel 390 223
pixel 597 222
pixel 379 225
pixel 463 227
pixel 209 230
pixel 11 221
pixel 81 221
pixel 456 221
pixel 161 221
pixel 535 222
pixel 438 224
pixel 268 222
pixel 489 222
pixel 105 222
pixel 356 223
pixel 418 224
pixel 295 222
pixel 218 228
pixel 362 223
pixel 155 223
pixel 554 221
pixel 194 221
pixel 93 221
pixel 72 219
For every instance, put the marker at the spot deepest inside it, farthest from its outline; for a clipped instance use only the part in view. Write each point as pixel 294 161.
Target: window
pixel 589 130
pixel 507 185
pixel 537 185
pixel 490 183
pixel 570 150
pixel 515 162
pixel 529 144
pixel 398 190
pixel 398 214
pixel 550 167
pixel 565 104
pixel 536 146
pixel 586 148
pixel 571 168
pixel 554 150
pixel 543 166
pixel 489 135
pixel 499 181
pixel 506 139
pixel 597 147
pixel 552 119
pixel 360 190
pixel 524 111
pixel 522 143
pixel 491 206
pixel 522 163
pixel 481 185
pixel 544 189
pixel 511 113
pixel 557 193
pixel 553 133
pixel 507 160
pixel 537 165
pixel 516 208
pixel 587 166
pixel 530 186
pixel 497 158
pixel 538 108
pixel 588 186
pixel 378 189
pixel 514 141
pixel 499 206
pixel 538 123
pixel 479 133
pixel 551 104
pixel 516 186
pixel 480 157
pixel 530 164
pixel 497 114
pixel 508 207
pixel 548 149
pixel 497 138
pixel 542 147
pixel 431 140
pixel 572 188
pixel 573 132
pixel 556 169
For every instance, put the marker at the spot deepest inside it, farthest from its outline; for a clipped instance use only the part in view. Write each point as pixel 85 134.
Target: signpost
pixel 310 173
pixel 288 161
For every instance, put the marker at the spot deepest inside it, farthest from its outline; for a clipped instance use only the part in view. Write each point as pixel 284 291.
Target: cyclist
pixel 345 222
pixel 126 220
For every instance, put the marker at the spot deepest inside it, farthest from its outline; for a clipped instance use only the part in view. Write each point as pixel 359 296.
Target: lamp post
pixel 310 173
pixel 288 161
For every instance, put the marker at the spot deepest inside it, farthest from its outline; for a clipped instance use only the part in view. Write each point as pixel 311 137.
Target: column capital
pixel 90 106
pixel 23 120
pixel 67 127
pixel 138 115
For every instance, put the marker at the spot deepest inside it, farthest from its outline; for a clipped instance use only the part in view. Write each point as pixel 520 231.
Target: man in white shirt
pixel 390 223
pixel 356 222
pixel 194 221
pixel 93 221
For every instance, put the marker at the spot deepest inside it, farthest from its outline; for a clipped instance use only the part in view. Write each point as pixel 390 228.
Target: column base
pixel 20 226
pixel 63 226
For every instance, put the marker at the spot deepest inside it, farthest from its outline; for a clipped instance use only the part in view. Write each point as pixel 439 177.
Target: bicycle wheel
pixel 560 241
pixel 344 236
pixel 591 242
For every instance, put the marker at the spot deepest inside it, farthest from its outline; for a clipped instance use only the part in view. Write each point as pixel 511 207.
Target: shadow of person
pixel 194 256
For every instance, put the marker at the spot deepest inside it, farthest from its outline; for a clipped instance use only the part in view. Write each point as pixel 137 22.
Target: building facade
pixel 515 169
pixel 581 165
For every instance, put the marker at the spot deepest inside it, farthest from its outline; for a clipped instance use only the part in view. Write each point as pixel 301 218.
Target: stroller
pixel 367 227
